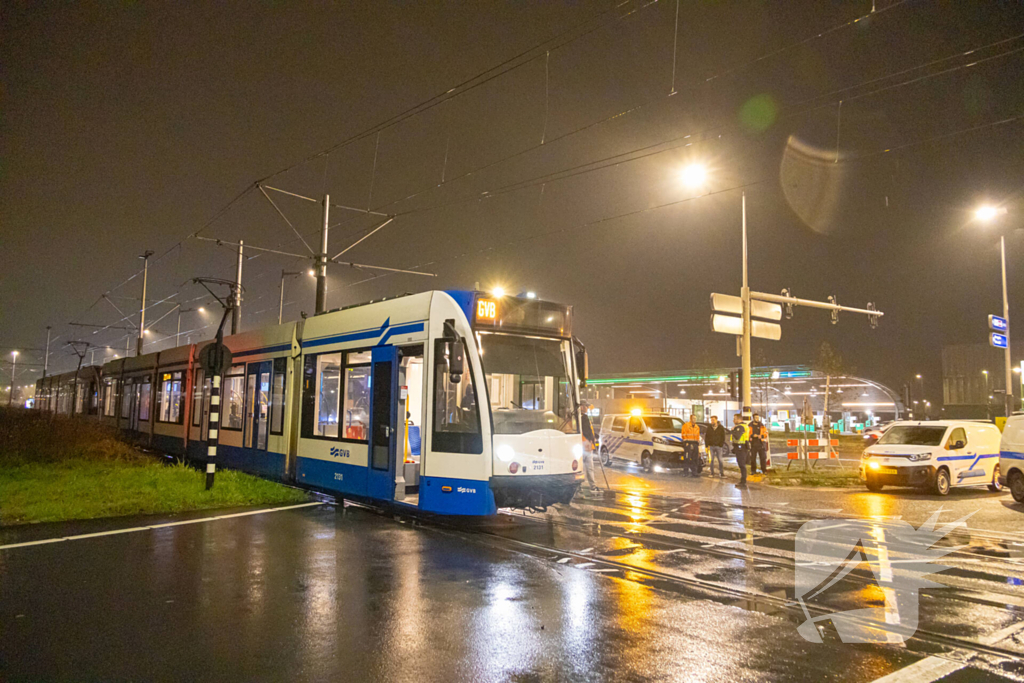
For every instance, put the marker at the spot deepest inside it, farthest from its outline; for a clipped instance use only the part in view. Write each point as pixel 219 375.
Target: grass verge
pixel 56 469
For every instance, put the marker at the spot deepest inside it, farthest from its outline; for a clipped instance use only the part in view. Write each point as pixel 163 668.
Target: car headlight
pixel 921 456
pixel 660 440
pixel 505 453
pixel 873 465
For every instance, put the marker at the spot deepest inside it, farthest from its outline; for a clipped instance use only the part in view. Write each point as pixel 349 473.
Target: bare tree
pixel 829 363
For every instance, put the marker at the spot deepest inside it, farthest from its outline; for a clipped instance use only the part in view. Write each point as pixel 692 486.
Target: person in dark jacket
pixel 758 445
pixel 714 440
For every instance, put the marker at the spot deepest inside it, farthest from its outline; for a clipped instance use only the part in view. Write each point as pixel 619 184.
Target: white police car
pixel 1011 457
pixel 935 455
pixel 651 440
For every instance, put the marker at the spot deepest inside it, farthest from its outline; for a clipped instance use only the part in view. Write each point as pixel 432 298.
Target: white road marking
pixel 586 550
pixel 564 560
pixel 584 565
pixel 114 532
pixel 606 569
pixel 933 668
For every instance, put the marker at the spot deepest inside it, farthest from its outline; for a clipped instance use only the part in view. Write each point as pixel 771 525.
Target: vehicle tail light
pixel 513 467
pixel 575 465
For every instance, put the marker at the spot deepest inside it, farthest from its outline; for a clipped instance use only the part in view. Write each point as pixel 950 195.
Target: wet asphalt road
pixel 689 582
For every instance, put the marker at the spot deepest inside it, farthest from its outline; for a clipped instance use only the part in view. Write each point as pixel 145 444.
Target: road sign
pixel 996 323
pixel 727 324
pixel 215 359
pixel 726 303
pixel 997 340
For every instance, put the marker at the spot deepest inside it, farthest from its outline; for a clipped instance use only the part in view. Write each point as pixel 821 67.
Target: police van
pixel 1011 457
pixel 651 440
pixel 936 455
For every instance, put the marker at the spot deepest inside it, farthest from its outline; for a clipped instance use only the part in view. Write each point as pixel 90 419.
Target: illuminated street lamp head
pixel 694 175
pixel 531 295
pixel 312 273
pixel 14 353
pixel 919 376
pixel 498 292
pixel 988 212
pixel 202 310
pixel 984 372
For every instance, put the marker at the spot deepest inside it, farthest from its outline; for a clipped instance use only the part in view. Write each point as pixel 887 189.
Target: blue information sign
pixel 996 323
pixel 997 340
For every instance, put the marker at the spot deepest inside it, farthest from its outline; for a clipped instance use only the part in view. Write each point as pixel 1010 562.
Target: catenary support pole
pixel 236 309
pixel 46 355
pixel 142 309
pixel 321 261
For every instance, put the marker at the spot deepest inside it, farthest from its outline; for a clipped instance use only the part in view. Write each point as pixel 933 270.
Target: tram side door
pixel 257 402
pixel 383 409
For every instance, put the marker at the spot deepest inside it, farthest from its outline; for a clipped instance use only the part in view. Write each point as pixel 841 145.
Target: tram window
pixel 170 397
pixel 357 357
pixel 277 396
pixel 233 398
pixel 357 402
pixel 108 398
pixel 144 394
pixel 456 426
pixel 197 398
pixel 79 388
pixel 328 394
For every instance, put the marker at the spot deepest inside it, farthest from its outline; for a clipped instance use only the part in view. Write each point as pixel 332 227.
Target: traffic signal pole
pixel 745 340
pixel 785 299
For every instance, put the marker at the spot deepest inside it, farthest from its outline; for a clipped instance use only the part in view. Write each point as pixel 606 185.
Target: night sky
pixel 129 126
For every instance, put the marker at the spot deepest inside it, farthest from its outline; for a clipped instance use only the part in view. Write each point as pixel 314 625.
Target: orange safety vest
pixel 759 432
pixel 691 432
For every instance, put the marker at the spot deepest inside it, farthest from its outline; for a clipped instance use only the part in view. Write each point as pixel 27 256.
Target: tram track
pixel 861 577
pixel 732 594
pixel 926 642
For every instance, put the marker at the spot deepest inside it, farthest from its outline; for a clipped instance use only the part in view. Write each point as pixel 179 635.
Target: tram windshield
pixel 530 383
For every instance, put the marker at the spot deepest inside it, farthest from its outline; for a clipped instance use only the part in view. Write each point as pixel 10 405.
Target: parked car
pixel 936 455
pixel 873 434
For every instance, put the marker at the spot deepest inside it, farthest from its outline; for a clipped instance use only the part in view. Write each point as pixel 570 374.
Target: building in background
pixel 973 381
pixel 790 397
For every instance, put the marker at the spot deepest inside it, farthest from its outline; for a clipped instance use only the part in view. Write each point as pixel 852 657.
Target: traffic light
pixel 734 389
pixel 788 308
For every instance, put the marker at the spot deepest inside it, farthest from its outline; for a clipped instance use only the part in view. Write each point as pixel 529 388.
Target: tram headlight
pixel 505 453
pixel 577 451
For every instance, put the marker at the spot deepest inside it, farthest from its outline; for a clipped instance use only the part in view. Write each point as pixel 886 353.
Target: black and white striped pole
pixel 214 434
pixel 214 359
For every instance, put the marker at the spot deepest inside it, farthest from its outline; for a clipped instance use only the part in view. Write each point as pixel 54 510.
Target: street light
pixel 694 175
pixel 987 214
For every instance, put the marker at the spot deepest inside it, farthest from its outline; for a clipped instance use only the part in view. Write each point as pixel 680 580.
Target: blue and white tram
pixel 449 402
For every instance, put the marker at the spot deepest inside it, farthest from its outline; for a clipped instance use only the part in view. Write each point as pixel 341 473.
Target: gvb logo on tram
pixel 891 554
